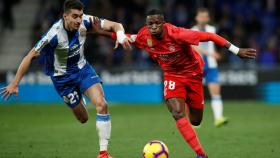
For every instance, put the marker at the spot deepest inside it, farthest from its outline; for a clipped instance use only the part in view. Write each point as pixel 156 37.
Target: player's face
pixel 73 19
pixel 155 24
pixel 202 18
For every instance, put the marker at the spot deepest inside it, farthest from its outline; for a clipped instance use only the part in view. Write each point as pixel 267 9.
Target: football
pixel 155 149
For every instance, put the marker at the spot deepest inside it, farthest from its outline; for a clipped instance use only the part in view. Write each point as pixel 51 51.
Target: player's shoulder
pixel 173 30
pixel 55 28
pixel 195 27
pixel 87 17
pixel 143 32
pixel 210 28
pixel 170 26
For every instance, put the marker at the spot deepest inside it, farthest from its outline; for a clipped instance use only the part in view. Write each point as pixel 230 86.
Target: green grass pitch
pixel 32 131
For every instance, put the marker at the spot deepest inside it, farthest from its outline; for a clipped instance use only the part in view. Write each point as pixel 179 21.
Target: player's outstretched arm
pixel 96 28
pixel 119 30
pixel 241 52
pixel 12 88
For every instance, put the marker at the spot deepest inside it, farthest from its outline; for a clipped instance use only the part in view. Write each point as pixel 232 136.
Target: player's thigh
pixel 177 107
pixel 211 75
pixel 214 88
pixel 195 101
pixel 73 99
pixel 95 94
pixel 195 94
pixel 195 116
pixel 90 85
pixel 80 112
pixel 173 88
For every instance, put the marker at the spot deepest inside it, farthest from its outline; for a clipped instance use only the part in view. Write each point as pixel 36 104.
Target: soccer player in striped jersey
pixel 208 52
pixel 61 50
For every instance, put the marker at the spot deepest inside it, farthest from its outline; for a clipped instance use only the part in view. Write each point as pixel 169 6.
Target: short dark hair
pixel 154 12
pixel 72 4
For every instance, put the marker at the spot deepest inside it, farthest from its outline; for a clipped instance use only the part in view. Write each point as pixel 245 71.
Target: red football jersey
pixel 173 52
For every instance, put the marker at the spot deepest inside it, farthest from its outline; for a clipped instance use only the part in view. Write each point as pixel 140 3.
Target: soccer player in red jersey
pixel 171 47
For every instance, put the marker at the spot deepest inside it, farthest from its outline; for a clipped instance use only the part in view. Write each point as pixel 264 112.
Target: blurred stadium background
pixel 251 88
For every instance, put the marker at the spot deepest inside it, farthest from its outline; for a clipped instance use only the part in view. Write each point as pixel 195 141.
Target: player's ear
pixel 64 15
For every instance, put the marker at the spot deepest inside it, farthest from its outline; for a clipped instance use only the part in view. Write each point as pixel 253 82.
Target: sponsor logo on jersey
pixel 75 48
pixel 172 48
pixel 169 57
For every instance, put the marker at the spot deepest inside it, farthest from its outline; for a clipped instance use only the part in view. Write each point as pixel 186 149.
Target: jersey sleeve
pixel 214 30
pixel 194 37
pixel 88 19
pixel 186 35
pixel 49 38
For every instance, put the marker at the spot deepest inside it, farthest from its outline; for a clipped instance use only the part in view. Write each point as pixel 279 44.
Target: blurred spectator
pixel 245 23
pixel 7 17
pixel 268 57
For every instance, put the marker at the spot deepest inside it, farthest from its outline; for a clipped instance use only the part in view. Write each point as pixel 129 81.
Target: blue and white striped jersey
pixel 208 46
pixel 61 51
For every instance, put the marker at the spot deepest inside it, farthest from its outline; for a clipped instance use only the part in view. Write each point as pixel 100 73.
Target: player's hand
pixel 247 53
pixel 126 44
pixel 7 92
pixel 96 28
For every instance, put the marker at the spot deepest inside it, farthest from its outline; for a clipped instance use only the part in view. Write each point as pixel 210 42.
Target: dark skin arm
pixel 96 28
pixel 245 52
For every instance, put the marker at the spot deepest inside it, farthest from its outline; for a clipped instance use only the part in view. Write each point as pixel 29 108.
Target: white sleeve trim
pixel 45 40
pixel 133 38
pixel 102 21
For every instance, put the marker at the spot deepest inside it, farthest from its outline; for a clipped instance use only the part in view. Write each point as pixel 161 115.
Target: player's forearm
pixel 117 27
pixel 207 36
pixel 23 67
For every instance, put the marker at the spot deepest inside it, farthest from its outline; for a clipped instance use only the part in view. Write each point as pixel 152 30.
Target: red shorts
pixel 190 89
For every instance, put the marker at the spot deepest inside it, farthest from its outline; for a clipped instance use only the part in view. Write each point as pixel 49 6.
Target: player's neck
pixel 201 25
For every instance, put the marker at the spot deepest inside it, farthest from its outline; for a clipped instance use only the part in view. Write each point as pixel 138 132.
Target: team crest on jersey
pixel 150 42
pixel 83 31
